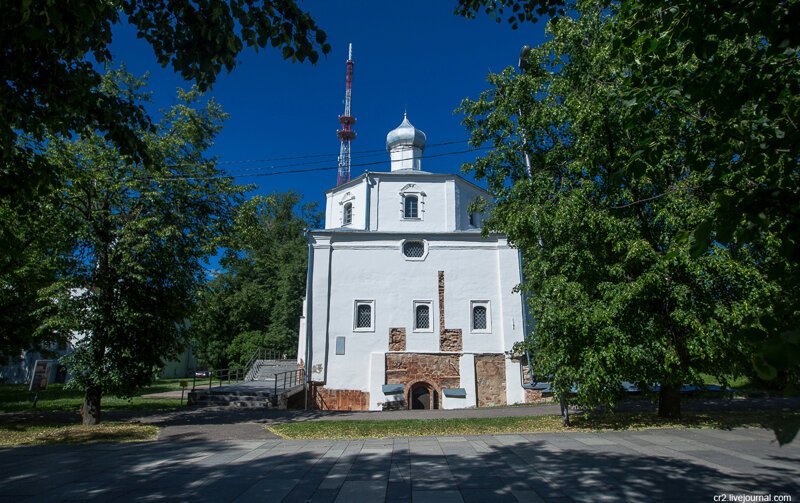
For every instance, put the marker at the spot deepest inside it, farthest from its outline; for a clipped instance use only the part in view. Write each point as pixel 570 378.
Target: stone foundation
pixel 338 399
pixel 397 339
pixel 533 396
pixel 490 380
pixel 440 371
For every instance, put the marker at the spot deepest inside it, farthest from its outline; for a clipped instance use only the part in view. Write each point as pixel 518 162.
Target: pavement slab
pixel 653 465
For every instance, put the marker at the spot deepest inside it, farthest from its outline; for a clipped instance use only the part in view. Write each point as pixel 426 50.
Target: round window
pixel 414 249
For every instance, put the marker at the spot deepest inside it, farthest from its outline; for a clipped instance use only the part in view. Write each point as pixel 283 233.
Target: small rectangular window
pixel 423 316
pixel 364 316
pixel 480 316
pixel 411 204
pixel 340 345
pixel 347 218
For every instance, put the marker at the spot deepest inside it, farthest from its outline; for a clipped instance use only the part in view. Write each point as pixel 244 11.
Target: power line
pixel 362 153
pixel 295 171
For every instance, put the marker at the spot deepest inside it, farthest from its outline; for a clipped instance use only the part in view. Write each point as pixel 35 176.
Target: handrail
pixel 230 375
pixel 289 379
pixel 249 371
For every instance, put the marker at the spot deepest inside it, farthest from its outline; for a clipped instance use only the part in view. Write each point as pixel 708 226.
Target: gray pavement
pixel 652 465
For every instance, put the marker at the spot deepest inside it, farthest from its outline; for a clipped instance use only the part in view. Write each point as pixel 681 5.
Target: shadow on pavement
pixel 497 468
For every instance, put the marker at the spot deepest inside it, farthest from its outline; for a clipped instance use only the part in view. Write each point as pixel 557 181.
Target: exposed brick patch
pixel 441 302
pixel 338 399
pixel 490 377
pixel 450 340
pixel 440 371
pixel 397 339
pixel 533 396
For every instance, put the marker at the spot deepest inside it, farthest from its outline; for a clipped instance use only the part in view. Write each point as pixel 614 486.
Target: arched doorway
pixel 422 396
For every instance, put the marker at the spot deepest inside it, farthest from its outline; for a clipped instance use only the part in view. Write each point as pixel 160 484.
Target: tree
pixel 732 69
pixel 257 300
pixel 616 292
pixel 30 245
pixel 51 85
pixel 137 236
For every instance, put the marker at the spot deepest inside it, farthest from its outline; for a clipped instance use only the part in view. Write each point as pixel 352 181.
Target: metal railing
pixel 221 376
pixel 247 373
pixel 289 379
pixel 263 354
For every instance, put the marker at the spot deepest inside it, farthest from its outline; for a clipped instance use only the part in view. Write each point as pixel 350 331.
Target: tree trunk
pixel 562 401
pixel 669 401
pixel 90 410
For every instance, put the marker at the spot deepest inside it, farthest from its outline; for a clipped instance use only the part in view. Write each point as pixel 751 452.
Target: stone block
pixel 339 399
pixel 450 340
pixel 490 380
pixel 397 339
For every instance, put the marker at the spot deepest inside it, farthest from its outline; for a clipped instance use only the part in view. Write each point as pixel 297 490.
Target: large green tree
pixel 256 300
pixel 137 237
pixel 616 291
pixel 732 70
pixel 52 49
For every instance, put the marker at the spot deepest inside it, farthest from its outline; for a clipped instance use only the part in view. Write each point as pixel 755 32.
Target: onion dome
pixel 405 135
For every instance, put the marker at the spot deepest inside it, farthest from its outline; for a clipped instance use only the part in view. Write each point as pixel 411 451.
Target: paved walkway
pixel 653 465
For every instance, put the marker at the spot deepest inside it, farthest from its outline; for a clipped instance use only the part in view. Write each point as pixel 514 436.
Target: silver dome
pixel 405 134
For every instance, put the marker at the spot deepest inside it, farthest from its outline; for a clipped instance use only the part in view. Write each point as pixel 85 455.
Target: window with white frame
pixel 412 202
pixel 346 208
pixel 414 249
pixel 480 316
pixel 364 316
pixel 423 316
pixel 411 207
pixel 347 214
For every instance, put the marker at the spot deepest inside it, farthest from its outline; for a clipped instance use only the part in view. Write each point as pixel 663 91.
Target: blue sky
pixel 413 55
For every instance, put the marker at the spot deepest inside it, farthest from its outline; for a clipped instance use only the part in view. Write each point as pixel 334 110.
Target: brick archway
pixel 422 395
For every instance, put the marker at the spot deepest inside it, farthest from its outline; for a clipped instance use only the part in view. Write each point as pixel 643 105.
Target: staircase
pixel 269 382
pixel 265 370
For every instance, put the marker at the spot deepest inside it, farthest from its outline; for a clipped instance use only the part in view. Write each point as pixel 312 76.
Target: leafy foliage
pixel 257 300
pixel 50 83
pixel 29 251
pixel 732 70
pixel 513 12
pixel 137 235
pixel 617 292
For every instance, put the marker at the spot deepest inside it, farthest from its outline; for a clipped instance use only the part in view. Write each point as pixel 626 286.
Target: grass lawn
pixel 16 398
pixel 533 424
pixel 18 434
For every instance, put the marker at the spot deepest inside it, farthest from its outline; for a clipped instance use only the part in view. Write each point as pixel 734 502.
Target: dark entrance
pixel 422 396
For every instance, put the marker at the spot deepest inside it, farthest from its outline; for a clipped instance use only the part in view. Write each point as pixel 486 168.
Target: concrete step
pixel 231 398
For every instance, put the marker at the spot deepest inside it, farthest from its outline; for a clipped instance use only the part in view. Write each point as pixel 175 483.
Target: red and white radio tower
pixel 346 134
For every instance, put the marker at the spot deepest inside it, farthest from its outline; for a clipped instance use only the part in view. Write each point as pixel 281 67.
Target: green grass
pixel 17 434
pixel 348 429
pixel 16 398
pixel 737 383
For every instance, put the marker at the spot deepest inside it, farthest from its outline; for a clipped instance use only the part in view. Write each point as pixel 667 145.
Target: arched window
pixel 347 214
pixel 410 207
pixel 481 320
pixel 364 316
pixel 422 316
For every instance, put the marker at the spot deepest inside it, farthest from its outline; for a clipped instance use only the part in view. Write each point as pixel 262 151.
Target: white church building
pixel 407 305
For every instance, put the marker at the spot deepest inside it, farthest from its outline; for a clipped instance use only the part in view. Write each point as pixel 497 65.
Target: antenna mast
pixel 346 134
